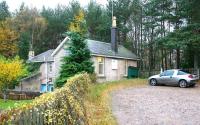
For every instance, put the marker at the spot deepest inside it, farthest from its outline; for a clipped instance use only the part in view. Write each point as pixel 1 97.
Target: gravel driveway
pixel 159 105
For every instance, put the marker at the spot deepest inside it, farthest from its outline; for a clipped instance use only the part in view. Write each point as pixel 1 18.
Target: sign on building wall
pixel 114 64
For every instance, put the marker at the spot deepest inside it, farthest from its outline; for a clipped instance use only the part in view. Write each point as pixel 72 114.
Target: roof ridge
pixel 103 42
pixel 99 41
pixel 42 53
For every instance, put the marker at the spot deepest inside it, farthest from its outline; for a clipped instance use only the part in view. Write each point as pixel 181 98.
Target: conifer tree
pixel 79 58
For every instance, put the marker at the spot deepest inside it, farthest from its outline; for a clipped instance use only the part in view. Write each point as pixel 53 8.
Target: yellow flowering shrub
pixel 63 106
pixel 10 70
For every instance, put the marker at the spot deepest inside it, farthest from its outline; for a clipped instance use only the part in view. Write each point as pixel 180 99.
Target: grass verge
pixel 98 104
pixel 9 104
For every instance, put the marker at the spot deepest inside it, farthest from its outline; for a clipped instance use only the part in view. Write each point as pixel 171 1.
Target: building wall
pixel 30 84
pixel 58 62
pixel 34 83
pixel 46 73
pixel 111 74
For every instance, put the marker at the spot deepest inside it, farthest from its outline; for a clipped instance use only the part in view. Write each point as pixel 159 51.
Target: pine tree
pixel 77 61
pixel 4 12
pixel 79 58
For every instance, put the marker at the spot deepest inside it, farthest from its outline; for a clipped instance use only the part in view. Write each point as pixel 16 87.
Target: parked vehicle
pixel 174 77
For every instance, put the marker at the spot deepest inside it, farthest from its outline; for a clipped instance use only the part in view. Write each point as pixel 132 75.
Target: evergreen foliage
pixel 4 12
pixel 162 33
pixel 24 45
pixel 98 22
pixel 187 39
pixel 78 60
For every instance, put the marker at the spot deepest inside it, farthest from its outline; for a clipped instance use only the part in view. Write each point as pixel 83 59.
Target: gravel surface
pixel 159 105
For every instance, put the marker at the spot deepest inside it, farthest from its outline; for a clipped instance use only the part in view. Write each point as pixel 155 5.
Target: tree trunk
pixel 178 58
pixel 170 59
pixel 135 38
pixel 123 40
pixel 141 43
pixel 151 53
pixel 162 62
pixel 196 65
pixel 4 95
pixel 165 59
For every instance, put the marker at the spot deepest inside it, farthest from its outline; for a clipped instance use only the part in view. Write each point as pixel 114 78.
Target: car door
pixel 160 79
pixel 170 77
pixel 166 77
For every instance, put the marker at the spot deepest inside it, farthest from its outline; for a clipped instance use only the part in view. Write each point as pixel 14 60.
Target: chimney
pixel 114 43
pixel 31 54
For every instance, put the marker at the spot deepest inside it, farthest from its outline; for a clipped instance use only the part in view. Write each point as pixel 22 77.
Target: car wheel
pixel 153 82
pixel 182 84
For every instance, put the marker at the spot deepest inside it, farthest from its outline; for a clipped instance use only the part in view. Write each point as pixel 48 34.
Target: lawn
pixel 99 100
pixel 12 103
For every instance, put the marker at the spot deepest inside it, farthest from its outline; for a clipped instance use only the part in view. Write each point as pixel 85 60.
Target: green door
pixel 132 72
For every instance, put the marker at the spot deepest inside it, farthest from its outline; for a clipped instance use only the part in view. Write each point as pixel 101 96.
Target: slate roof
pixel 104 49
pixel 45 56
pixel 97 48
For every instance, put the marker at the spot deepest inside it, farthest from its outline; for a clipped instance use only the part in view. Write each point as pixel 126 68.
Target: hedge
pixel 64 106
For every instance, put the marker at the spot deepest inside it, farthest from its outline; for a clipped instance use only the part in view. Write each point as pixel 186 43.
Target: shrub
pixel 63 106
pixel 93 77
pixel 78 60
pixel 11 70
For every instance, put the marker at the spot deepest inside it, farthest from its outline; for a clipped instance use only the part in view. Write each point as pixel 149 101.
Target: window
pixel 168 73
pixel 50 79
pixel 182 73
pixel 100 66
pixel 125 67
pixel 50 67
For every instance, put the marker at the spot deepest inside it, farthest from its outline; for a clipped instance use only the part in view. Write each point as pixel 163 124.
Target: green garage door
pixel 132 72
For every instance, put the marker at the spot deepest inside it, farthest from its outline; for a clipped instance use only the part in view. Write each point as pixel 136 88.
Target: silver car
pixel 174 77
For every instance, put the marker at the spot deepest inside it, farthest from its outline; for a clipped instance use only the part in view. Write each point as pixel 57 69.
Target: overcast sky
pixel 14 4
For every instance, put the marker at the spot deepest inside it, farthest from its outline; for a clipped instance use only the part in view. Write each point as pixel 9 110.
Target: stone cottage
pixel 42 80
pixel 108 64
pixel 111 61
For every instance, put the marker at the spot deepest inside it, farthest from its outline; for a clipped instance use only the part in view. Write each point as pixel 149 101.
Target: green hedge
pixel 64 106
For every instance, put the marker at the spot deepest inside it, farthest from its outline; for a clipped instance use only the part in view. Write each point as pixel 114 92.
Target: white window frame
pixel 102 63
pixel 126 68
pixel 50 67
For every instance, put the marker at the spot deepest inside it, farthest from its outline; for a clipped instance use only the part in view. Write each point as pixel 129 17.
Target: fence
pixel 64 106
pixel 20 95
pixel 146 74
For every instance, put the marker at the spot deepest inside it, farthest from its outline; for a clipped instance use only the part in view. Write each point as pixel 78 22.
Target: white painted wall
pixel 58 62
pixel 113 74
pixel 43 72
pixel 110 74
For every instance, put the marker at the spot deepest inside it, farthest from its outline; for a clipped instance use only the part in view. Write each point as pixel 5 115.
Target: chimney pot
pixel 114 43
pixel 31 54
pixel 114 24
